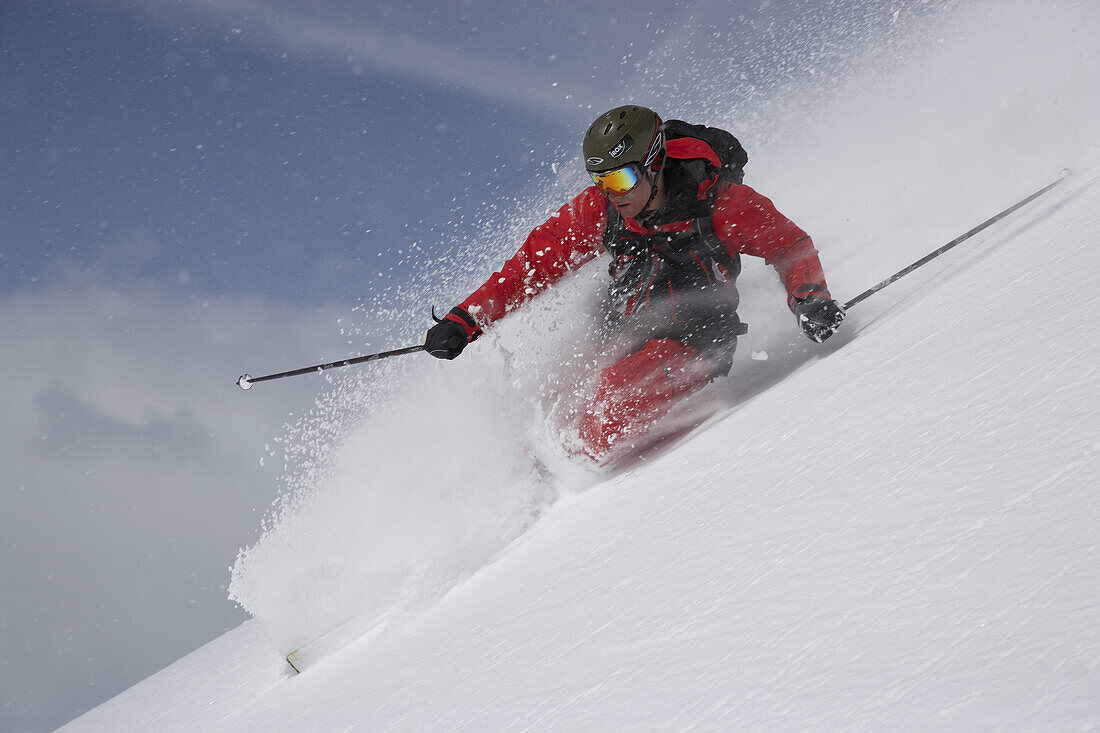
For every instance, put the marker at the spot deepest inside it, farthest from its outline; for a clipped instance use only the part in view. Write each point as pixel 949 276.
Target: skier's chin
pixel 628 209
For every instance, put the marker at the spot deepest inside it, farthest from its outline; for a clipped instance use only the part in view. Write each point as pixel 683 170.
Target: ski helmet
pixel 624 136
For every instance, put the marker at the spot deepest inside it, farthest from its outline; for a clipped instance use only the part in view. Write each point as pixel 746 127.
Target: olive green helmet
pixel 625 135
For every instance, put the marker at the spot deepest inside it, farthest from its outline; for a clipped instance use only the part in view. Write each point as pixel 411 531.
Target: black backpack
pixel 726 147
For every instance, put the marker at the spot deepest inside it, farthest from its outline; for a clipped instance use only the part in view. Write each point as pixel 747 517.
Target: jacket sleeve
pixel 568 239
pixel 748 222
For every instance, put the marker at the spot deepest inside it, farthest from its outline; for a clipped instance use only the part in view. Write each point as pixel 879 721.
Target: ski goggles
pixel 619 181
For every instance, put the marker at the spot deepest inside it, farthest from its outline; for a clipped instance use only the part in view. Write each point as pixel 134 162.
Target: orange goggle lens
pixel 618 181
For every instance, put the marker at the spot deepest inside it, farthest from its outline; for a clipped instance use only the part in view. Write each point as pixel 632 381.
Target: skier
pixel 669 207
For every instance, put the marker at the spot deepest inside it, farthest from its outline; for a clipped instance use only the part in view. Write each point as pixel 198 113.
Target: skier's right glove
pixel 448 337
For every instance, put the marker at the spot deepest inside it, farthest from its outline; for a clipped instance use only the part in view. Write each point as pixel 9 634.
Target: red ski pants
pixel 636 390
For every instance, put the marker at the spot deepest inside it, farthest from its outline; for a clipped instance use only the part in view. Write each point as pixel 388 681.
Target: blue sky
pixel 283 148
pixel 205 160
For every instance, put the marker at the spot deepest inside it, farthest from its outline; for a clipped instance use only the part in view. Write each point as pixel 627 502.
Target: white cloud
pixel 361 46
pixel 131 475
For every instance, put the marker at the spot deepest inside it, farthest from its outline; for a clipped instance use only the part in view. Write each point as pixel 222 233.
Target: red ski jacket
pixel 744 221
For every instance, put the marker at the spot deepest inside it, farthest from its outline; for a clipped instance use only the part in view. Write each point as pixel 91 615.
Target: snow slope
pixel 918 550
pixel 898 529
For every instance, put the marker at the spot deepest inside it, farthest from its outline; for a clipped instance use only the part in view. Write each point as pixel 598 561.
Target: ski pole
pixel 933 255
pixel 247 380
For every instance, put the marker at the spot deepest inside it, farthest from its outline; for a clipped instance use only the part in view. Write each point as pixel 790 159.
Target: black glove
pixel 818 317
pixel 446 339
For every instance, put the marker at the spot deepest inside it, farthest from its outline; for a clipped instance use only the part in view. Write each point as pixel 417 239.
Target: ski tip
pixel 1067 172
pixel 294 663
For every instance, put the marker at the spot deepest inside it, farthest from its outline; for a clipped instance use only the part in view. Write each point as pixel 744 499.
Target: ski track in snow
pixel 897 529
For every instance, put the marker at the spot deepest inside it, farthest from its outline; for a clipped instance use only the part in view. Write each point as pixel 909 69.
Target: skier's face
pixel 631 204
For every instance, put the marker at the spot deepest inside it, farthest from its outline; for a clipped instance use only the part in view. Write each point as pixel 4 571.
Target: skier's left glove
pixel 818 317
